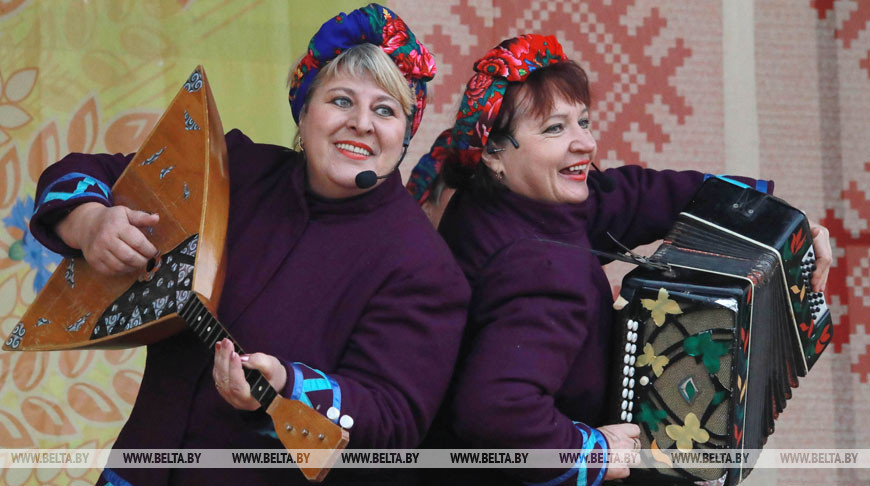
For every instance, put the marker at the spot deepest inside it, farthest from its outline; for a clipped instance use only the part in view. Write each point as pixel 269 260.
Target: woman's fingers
pixel 273 370
pixel 111 238
pixel 230 378
pixel 824 256
pixel 620 437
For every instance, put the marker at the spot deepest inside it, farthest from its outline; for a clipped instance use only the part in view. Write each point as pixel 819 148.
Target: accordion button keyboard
pixel 816 299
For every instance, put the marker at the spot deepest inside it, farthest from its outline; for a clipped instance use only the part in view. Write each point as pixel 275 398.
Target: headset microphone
pixel 604 182
pixel 369 178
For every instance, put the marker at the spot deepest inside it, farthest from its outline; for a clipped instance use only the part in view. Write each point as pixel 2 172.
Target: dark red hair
pixel 535 97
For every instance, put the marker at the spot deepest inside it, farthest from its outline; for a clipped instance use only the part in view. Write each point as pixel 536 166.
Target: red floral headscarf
pixel 511 61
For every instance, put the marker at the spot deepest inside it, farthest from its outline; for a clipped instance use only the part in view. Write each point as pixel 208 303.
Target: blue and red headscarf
pixel 373 24
pixel 511 61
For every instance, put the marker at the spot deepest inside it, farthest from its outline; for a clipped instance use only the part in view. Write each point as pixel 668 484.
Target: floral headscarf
pixel 374 24
pixel 428 168
pixel 511 61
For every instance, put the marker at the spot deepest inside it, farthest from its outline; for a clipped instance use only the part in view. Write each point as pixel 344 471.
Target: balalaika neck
pixel 209 330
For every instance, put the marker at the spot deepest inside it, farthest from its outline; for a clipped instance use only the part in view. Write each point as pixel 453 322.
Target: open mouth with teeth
pixel 354 151
pixel 576 171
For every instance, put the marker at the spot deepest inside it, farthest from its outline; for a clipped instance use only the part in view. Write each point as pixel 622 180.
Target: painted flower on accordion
pixel 685 435
pixel 649 358
pixel 661 307
pixel 709 350
pixel 651 416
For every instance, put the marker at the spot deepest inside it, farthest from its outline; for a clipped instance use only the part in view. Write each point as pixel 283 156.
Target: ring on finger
pixel 635 443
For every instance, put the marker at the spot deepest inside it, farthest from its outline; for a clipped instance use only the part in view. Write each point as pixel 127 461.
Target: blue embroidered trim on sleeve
pixel 81 190
pixel 590 440
pixel 303 386
pixel 595 438
pixel 761 185
pixel 727 179
pixel 112 478
pixel 297 384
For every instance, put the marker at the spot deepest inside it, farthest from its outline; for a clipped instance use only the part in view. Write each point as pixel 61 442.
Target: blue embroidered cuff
pixel 74 185
pixel 593 442
pixel 313 388
pixel 760 185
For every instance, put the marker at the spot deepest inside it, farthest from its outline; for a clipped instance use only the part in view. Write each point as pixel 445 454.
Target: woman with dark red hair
pixel 532 374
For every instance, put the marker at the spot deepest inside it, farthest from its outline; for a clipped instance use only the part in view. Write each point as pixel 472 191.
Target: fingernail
pixel 244 358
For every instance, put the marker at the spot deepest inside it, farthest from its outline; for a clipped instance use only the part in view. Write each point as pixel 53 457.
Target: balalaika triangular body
pixel 181 173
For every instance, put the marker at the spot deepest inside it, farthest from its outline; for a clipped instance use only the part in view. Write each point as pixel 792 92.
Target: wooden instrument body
pixel 180 173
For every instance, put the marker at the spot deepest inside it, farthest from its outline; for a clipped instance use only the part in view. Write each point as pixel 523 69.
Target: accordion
pixel 712 337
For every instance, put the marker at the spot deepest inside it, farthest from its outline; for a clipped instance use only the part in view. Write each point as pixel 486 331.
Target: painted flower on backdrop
pixel 27 249
pixel 12 92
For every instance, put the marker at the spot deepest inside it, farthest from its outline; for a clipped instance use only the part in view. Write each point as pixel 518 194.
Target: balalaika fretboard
pixel 210 331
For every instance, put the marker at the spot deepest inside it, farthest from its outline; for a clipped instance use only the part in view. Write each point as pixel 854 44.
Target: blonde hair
pixel 366 60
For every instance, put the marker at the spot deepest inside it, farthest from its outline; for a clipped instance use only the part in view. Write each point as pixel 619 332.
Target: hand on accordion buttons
pixel 824 256
pixel 229 378
pixel 111 238
pixel 621 437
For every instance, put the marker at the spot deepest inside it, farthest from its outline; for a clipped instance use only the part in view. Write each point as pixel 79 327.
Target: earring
pixel 500 176
pixel 301 145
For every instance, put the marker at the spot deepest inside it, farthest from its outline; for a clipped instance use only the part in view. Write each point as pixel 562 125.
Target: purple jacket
pixel 362 290
pixel 533 370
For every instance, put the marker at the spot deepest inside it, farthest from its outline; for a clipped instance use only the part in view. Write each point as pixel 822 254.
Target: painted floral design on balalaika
pixel 181 173
pixel 183 176
pixel 711 343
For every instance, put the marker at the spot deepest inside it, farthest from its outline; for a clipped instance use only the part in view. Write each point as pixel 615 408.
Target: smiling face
pixel 555 150
pixel 350 125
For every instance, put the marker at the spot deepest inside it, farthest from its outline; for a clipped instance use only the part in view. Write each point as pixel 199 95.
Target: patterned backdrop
pixel 95 75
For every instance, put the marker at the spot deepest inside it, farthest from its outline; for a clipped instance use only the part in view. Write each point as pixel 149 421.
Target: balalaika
pixel 180 172
pixel 711 341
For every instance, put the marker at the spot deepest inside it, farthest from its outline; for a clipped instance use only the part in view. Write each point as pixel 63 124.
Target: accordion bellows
pixel 710 343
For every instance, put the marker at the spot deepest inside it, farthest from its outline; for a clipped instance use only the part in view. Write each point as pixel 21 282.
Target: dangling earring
pixel 301 145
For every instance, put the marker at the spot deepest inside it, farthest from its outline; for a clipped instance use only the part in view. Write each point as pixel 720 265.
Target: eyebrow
pixel 564 115
pixel 351 91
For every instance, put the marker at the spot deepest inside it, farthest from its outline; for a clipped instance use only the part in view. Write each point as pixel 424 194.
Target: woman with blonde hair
pixel 334 275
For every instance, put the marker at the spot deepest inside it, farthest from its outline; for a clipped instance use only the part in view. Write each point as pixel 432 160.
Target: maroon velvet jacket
pixel 361 289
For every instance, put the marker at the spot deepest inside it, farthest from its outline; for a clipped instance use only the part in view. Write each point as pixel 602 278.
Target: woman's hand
pixel 110 238
pixel 824 256
pixel 230 379
pixel 619 436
